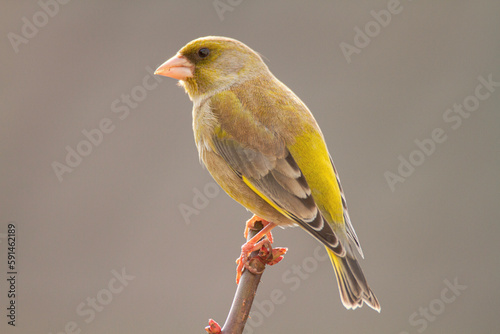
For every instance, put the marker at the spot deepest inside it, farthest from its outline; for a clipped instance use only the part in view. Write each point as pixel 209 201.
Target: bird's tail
pixel 352 283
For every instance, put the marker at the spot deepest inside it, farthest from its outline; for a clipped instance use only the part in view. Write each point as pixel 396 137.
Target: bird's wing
pixel 268 168
pixel 348 225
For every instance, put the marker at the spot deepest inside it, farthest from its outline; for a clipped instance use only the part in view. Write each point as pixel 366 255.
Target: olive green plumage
pixel 264 148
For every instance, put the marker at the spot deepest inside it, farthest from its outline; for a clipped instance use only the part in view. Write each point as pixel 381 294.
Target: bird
pixel 263 146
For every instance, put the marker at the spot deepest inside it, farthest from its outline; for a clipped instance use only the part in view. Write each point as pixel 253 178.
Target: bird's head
pixel 211 64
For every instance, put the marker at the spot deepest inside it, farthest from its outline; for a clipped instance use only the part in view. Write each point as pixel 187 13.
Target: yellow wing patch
pixel 310 152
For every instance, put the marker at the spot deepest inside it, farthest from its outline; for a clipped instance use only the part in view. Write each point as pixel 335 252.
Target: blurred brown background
pixel 75 67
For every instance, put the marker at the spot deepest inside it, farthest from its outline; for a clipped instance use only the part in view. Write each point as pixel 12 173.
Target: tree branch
pixel 245 293
pixel 247 288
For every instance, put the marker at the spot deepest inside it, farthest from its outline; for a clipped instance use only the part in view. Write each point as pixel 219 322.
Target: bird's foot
pixel 262 242
pixel 250 225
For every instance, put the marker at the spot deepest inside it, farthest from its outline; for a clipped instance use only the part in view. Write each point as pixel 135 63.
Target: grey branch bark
pixel 245 293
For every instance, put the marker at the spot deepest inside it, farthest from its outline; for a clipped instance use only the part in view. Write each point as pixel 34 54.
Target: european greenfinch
pixel 263 146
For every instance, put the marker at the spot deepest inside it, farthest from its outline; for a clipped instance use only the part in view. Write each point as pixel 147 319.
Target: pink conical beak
pixel 177 67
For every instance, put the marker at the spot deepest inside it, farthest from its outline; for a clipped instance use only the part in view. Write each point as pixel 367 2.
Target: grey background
pixel 120 208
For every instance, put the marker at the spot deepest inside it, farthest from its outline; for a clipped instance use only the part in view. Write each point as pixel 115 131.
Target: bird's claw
pixel 267 255
pixel 250 225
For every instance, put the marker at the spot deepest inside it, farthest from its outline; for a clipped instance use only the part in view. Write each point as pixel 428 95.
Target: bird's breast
pixel 204 123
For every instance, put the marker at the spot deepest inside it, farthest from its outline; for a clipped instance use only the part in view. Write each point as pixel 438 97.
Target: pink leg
pixel 253 244
pixel 250 224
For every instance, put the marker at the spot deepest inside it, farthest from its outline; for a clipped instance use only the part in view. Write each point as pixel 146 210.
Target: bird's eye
pixel 203 52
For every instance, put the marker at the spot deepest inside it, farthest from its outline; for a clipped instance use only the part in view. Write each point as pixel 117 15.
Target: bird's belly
pixel 234 186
